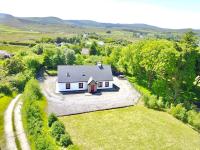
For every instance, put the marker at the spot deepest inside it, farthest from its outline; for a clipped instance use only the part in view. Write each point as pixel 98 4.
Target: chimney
pixel 99 64
pixel 68 74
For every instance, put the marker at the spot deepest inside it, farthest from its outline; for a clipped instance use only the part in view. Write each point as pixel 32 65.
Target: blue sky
pixel 162 13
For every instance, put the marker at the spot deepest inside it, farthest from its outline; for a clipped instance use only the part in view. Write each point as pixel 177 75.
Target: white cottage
pixel 84 77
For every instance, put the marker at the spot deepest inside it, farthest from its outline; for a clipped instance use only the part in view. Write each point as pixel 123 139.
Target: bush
pixel 57 130
pixel 51 119
pixel 193 119
pixel 179 112
pixel 160 103
pixel 65 140
pixel 32 90
pixel 38 49
pixel 72 147
pixel 152 103
pixel 13 66
pixel 34 119
pixel 43 144
pixel 5 88
pixel 33 63
pixel 145 99
pixel 19 81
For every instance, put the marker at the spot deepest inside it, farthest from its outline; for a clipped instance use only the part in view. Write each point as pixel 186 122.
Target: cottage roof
pixel 85 51
pixel 82 73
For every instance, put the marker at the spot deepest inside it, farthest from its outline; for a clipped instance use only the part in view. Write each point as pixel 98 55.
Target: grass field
pixel 131 128
pixel 4 101
pixel 13 48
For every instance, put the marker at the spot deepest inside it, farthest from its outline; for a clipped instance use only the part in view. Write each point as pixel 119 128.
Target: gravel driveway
pixel 75 103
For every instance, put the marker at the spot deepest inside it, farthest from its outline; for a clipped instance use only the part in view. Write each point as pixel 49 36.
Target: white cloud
pixel 115 11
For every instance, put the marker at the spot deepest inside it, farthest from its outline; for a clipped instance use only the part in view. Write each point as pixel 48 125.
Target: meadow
pixel 134 127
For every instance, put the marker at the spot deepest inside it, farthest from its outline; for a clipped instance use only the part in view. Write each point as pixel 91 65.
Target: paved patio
pixel 74 103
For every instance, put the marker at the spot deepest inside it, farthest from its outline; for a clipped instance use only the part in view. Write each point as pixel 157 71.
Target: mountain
pixel 54 24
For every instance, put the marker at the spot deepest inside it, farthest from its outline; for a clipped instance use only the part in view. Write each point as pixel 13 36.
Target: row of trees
pixel 167 68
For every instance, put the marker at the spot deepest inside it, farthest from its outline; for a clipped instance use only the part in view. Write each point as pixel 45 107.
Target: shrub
pixel 57 130
pixel 33 63
pixel 42 143
pixel 152 103
pixel 51 119
pixel 32 90
pixel 19 81
pixel 179 112
pixel 37 49
pixel 65 140
pixel 193 119
pixel 146 100
pixel 5 88
pixel 160 103
pixel 34 119
pixel 72 147
pixel 13 65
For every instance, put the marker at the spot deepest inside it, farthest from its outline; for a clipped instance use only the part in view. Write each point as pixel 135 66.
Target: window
pixel 80 85
pixel 106 84
pixel 67 85
pixel 99 84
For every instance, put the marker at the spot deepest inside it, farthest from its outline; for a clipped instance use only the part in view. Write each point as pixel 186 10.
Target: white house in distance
pixel 84 77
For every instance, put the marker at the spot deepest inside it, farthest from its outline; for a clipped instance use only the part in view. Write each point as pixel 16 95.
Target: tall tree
pixel 70 57
pixel 93 49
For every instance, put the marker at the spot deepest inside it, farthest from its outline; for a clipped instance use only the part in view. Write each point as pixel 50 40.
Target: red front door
pixel 92 88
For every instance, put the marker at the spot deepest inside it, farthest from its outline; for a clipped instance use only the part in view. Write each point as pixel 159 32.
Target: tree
pixel 38 49
pixel 13 65
pixel 33 63
pixel 188 59
pixel 93 49
pixel 79 59
pixel 70 57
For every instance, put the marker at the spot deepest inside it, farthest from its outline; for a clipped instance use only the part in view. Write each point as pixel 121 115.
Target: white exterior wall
pixel 103 85
pixel 75 86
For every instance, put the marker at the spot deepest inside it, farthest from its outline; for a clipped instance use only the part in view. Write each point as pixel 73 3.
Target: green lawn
pixel 4 101
pixel 131 128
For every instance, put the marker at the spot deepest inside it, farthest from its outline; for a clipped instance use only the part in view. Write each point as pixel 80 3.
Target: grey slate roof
pixel 82 73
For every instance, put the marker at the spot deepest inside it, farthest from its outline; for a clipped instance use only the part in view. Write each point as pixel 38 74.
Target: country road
pixel 14 111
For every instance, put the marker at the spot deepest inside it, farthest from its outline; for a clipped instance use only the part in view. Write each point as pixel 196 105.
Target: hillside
pixel 54 24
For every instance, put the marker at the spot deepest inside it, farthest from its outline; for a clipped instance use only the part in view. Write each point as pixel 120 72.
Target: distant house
pixel 84 78
pixel 101 43
pixel 85 51
pixel 4 54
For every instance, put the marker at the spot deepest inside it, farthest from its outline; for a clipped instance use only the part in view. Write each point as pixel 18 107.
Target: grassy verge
pixel 14 129
pixel 4 102
pixel 51 72
pixel 130 128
